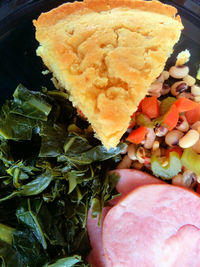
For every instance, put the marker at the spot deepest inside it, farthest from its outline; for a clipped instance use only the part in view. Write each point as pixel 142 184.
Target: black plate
pixel 19 63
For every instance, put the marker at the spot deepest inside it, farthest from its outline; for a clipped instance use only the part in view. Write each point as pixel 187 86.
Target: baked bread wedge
pixel 106 54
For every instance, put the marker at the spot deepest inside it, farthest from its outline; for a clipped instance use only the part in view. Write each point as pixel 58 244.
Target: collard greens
pixel 52 170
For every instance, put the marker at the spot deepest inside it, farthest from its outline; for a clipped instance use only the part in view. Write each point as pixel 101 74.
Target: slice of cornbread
pixel 107 54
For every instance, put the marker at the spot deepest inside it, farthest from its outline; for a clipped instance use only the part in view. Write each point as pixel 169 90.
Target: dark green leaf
pixel 8 256
pixel 30 104
pixel 29 249
pixel 66 262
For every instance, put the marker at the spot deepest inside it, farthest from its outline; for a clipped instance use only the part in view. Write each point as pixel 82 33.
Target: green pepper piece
pixel 143 120
pixel 198 74
pixel 166 104
pixel 191 160
pixel 169 171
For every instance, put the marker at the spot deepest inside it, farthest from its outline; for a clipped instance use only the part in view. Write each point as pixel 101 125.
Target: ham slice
pixel 129 180
pixel 96 257
pixel 154 226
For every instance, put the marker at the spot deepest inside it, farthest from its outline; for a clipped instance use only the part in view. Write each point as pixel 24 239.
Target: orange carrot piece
pixel 184 104
pixel 177 149
pixel 150 107
pixel 171 117
pixel 193 115
pixel 137 135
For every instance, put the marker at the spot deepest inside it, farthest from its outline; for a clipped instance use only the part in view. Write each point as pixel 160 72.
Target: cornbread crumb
pixel 183 57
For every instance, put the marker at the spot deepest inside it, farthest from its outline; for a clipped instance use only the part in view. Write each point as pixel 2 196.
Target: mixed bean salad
pixel 164 134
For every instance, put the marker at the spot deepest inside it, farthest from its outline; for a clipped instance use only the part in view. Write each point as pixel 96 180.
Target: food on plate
pixel 154 225
pixel 129 180
pixel 107 55
pixel 52 171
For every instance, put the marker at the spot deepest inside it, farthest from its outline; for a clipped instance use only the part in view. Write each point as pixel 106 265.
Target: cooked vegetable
pixel 150 107
pixel 170 118
pixel 176 149
pixel 166 172
pixel 52 170
pixel 137 135
pixel 166 104
pixel 143 120
pixel 190 160
pixel 193 115
pixel 184 104
pixel 198 74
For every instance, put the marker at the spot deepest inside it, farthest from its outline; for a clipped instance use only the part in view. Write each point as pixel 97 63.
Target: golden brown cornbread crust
pixel 107 54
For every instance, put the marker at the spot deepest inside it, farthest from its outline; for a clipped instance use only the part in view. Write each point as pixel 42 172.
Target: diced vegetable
pixel 150 107
pixel 190 160
pixel 169 171
pixel 166 104
pixel 143 120
pixel 133 121
pixel 193 116
pixel 198 74
pixel 137 135
pixel 171 117
pixel 184 104
pixel 177 149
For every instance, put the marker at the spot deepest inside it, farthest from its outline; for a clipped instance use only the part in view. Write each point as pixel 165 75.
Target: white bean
pixel 155 89
pixel 125 163
pixel 155 146
pixel 150 138
pixel 189 139
pixel 178 87
pixel 132 152
pixel 163 76
pixel 182 124
pixel 196 126
pixel 178 72
pixel 189 80
pixel 172 137
pixel 187 179
pixel 196 147
pixel 195 90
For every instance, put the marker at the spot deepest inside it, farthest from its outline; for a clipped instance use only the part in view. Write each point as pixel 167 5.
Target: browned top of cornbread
pixel 107 54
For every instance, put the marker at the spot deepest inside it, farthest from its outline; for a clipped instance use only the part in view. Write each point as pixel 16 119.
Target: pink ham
pixel 154 226
pixel 96 257
pixel 129 180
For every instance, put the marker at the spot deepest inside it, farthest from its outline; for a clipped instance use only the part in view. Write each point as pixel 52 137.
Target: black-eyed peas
pixel 155 89
pixel 189 139
pixel 182 124
pixel 189 80
pixel 179 72
pixel 196 126
pixel 132 151
pixel 165 89
pixel 186 95
pixel 195 90
pixel 163 76
pixel 172 137
pixel 150 138
pixel 187 179
pixel 160 131
pixel 179 87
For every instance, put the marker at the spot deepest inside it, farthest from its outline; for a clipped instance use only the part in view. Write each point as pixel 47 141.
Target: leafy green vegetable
pixel 52 170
